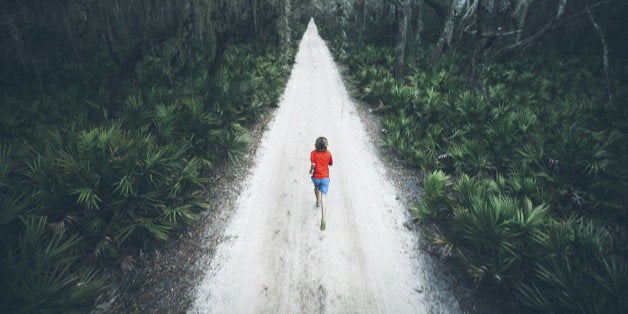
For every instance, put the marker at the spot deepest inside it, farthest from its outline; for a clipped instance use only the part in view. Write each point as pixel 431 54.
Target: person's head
pixel 321 144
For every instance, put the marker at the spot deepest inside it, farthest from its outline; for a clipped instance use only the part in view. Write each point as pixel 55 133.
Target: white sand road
pixel 274 258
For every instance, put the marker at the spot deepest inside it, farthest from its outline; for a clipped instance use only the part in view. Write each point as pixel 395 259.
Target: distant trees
pixel 40 38
pixel 491 29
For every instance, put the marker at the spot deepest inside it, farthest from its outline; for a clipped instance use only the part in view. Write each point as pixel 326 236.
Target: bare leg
pixel 323 206
pixel 323 210
pixel 317 193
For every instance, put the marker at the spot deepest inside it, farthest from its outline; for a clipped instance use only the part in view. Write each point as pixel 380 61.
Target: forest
pixel 115 116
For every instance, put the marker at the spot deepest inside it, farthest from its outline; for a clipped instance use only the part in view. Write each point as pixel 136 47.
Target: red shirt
pixel 321 161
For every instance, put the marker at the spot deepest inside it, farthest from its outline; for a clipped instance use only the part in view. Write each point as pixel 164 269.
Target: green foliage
pixel 95 179
pixel 124 184
pixel 436 201
pixel 526 183
pixel 41 272
pixel 576 273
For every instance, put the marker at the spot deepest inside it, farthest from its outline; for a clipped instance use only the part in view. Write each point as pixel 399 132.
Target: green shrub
pixel 42 272
pixel 96 178
pixel 527 186
pixel 577 272
pixel 436 203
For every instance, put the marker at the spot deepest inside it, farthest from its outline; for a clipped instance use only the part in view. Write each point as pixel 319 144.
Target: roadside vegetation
pixel 115 114
pixel 523 157
pixel 107 152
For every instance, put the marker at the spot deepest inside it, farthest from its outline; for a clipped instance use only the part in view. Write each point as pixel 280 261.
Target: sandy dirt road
pixel 274 258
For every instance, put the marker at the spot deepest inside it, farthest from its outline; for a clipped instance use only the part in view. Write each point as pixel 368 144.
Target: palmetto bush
pixel 42 272
pixel 378 90
pixel 436 202
pixel 86 181
pixel 577 271
pixel 127 190
pixel 527 187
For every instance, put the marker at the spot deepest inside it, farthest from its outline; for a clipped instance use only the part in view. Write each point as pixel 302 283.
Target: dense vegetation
pixel 114 116
pixel 523 155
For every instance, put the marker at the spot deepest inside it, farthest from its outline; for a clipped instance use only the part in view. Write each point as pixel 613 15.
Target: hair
pixel 321 144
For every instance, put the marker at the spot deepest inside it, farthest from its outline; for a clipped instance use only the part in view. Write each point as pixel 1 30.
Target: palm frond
pixel 40 273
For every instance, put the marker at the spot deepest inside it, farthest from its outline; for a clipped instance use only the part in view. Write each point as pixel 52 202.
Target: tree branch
pixel 553 24
pixel 607 71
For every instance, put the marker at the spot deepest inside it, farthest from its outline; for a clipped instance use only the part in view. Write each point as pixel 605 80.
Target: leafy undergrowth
pixel 527 187
pixel 86 182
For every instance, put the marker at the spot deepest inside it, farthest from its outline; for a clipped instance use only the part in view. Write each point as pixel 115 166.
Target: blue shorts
pixel 321 184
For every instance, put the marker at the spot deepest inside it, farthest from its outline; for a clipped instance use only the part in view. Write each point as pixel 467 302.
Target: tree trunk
pixel 550 25
pixel 68 28
pixel 419 23
pixel 404 15
pixel 110 48
pixel 284 24
pixel 445 38
pixel 222 42
pixel 254 12
pixel 521 13
pixel 607 71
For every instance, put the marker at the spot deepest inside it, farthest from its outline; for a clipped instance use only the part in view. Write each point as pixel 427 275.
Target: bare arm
pixel 312 168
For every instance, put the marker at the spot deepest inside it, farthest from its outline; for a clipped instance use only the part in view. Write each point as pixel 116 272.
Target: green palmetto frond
pixel 194 105
pixel 12 122
pixel 493 228
pixel 164 121
pixel 402 96
pixel 433 100
pixel 165 112
pixel 472 157
pixel 176 215
pixel 190 176
pixel 235 146
pixel 16 204
pixel 379 90
pixel 40 275
pixel 498 92
pixel 487 224
pixel 435 202
pixel 38 170
pixel 525 186
pixel 467 188
pixel 142 229
pixel 9 165
pixel 523 118
pixel 529 220
pixel 595 284
pixel 134 112
pixel 470 107
pixel 87 197
pixel 125 186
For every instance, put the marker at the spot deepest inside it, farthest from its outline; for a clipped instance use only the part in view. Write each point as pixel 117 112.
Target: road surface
pixel 275 259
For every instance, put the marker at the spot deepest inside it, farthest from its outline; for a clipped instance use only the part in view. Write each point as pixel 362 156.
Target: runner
pixel 321 160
